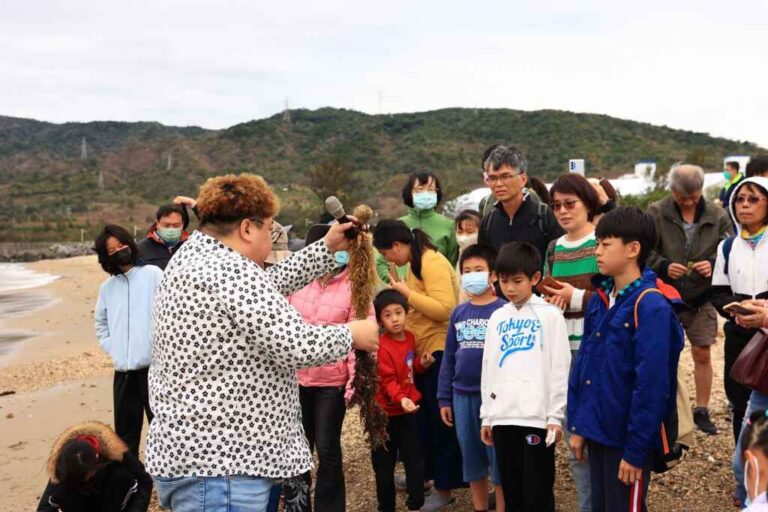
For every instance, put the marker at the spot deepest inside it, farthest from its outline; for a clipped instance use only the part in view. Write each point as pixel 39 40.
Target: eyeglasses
pixel 568 204
pixel 506 177
pixel 751 199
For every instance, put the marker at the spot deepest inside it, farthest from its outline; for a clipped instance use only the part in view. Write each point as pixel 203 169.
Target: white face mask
pixel 466 240
pixel 751 459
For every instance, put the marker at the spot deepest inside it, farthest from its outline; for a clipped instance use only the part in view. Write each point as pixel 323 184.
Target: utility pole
pixel 101 181
pixel 169 164
pixel 84 150
pixel 286 112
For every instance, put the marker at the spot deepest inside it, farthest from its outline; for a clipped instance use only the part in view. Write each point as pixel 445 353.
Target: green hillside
pixel 49 192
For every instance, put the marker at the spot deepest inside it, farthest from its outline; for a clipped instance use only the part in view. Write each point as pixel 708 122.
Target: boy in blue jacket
pixel 623 384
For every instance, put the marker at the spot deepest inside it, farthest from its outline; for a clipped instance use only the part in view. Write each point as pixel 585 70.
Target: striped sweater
pixel 574 262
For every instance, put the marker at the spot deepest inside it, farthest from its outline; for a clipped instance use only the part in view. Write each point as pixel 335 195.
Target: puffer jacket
pixel 121 483
pixel 327 304
pixel 712 226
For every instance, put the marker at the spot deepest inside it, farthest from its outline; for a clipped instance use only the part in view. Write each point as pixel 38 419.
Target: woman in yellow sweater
pixel 432 292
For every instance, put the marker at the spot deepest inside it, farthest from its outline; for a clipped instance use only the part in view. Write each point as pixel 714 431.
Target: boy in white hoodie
pixel 524 382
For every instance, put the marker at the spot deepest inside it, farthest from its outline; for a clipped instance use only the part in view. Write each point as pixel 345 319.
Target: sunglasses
pixel 751 199
pixel 569 204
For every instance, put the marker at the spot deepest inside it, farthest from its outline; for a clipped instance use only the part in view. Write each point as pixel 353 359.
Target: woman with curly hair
pixel 227 347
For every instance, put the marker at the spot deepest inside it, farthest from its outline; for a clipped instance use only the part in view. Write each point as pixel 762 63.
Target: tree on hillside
pixel 329 178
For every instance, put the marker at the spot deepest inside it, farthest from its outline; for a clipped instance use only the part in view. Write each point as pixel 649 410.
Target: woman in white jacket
pixel 123 317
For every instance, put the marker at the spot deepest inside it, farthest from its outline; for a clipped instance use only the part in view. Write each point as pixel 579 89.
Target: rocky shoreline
pixel 34 251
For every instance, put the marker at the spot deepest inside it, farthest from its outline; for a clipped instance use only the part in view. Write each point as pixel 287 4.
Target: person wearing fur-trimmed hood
pixel 91 469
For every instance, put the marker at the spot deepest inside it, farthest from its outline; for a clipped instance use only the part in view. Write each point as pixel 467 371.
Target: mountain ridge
pixel 50 191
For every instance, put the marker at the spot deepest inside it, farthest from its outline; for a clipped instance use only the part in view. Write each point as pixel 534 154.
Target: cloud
pixel 693 65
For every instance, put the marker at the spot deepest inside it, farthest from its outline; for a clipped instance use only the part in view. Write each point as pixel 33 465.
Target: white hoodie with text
pixel 526 360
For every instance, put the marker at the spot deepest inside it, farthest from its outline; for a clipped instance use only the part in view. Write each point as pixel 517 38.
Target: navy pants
pixel 442 455
pixel 608 492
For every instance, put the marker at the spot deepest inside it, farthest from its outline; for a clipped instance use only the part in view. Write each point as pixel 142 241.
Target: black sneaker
pixel 701 419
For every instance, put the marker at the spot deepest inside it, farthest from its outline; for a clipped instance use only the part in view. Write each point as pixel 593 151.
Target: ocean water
pixel 15 277
pixel 19 296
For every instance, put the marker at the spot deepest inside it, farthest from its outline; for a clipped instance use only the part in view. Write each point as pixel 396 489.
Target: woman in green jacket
pixel 421 194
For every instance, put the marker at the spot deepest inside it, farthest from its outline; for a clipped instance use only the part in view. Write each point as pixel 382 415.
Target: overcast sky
pixel 697 65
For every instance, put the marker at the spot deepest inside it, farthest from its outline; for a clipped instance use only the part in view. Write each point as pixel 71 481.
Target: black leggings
pixel 736 338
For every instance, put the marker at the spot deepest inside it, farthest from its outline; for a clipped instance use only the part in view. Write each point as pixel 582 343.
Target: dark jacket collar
pixel 705 212
pixel 528 205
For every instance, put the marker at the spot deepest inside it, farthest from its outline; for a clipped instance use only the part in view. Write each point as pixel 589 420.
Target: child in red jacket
pixel 399 397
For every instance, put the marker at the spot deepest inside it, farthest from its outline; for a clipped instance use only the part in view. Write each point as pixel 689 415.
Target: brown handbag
pixel 751 367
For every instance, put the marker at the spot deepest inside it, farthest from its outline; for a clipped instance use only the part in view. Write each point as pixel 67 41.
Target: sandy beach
pixel 59 377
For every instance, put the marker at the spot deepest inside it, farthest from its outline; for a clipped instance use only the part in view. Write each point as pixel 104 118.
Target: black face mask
pixel 122 257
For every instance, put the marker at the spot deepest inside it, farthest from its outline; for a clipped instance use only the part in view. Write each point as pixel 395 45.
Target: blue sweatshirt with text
pixel 463 357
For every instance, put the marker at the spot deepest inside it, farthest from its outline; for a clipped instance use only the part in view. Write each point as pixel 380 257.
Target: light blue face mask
pixel 727 175
pixel 169 235
pixel 424 200
pixel 475 283
pixel 341 257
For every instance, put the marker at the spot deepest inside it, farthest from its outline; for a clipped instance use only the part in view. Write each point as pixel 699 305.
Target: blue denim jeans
pixel 757 402
pixel 580 470
pixel 214 494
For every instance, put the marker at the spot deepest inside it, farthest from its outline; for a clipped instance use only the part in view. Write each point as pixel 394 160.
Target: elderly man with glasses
pixel 690 229
pixel 515 216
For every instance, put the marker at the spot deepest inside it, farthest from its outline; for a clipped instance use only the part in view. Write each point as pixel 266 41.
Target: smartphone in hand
pixel 735 308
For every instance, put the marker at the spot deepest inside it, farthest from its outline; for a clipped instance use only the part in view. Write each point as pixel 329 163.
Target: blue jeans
pixel 580 470
pixel 757 402
pixel 214 494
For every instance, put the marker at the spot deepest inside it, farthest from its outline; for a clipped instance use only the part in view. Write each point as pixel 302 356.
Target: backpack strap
pixel 542 214
pixel 663 430
pixel 727 246
pixel 486 221
pixel 639 298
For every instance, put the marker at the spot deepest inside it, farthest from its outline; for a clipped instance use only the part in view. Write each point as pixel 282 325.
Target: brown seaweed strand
pixel 362 275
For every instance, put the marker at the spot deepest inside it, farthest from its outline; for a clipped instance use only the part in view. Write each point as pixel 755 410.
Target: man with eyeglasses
pixel 690 228
pixel 516 216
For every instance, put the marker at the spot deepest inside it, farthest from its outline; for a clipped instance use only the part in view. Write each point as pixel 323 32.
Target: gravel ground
pixel 703 482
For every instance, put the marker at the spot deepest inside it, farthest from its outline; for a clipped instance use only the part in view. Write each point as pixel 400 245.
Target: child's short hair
pixel 387 298
pixel 518 257
pixel 630 224
pixel 481 251
pixel 470 215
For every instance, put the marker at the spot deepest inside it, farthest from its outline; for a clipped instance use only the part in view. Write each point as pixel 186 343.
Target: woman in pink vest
pixel 324 391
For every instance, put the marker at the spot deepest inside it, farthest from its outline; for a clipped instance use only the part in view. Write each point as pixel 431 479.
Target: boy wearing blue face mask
pixel 459 382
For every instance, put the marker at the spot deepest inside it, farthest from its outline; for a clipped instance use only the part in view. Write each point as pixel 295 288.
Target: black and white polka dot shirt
pixel 226 347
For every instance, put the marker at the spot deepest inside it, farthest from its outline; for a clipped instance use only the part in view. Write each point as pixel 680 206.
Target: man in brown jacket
pixel 690 229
